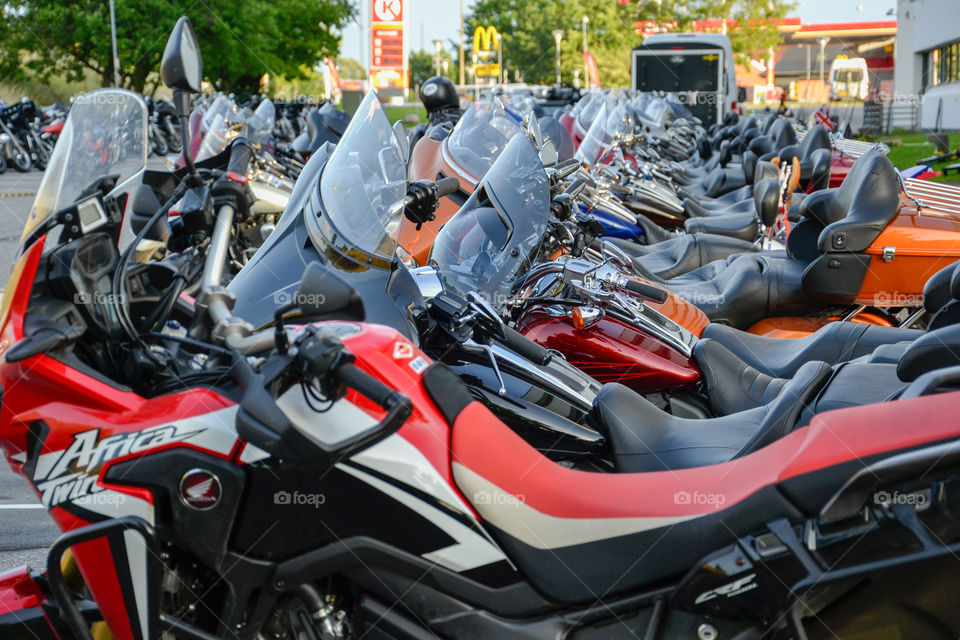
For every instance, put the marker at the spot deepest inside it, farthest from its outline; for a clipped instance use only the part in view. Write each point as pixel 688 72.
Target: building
pixel 928 61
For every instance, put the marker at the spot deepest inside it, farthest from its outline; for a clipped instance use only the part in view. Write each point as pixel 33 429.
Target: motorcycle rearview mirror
pixel 324 294
pixel 533 130
pixel 617 256
pixel 181 67
pixel 400 131
pixel 549 155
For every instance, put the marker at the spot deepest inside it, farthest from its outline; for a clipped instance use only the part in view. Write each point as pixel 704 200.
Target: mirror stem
pixel 181 100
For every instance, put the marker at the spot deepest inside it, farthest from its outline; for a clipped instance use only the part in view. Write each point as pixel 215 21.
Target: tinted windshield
pixel 484 248
pixel 105 134
pixel 481 136
pixel 364 184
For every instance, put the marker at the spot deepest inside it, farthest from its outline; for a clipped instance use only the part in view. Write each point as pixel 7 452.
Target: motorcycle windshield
pixel 215 140
pixel 363 187
pixel 260 122
pixel 485 249
pixel 480 137
pixel 105 134
pixel 596 139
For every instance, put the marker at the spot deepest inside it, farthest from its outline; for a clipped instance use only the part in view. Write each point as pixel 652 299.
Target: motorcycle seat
pixel 645 438
pixel 577 533
pixel 682 254
pixel 745 288
pixel 734 226
pixel 834 343
pixel 727 199
pixel 716 183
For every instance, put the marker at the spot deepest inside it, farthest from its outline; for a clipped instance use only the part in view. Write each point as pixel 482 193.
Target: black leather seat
pixel 834 343
pixel 740 226
pixel 855 384
pixel 814 155
pixel 645 438
pixel 682 254
pixel 839 224
pixel 745 288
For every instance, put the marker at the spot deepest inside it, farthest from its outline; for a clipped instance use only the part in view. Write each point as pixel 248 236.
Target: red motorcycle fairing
pixel 612 351
pixel 63 429
pixel 24 608
pixel 55 127
pixel 575 533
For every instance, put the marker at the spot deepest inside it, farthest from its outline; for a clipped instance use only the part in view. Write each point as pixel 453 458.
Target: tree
pixel 752 24
pixel 528 45
pixel 423 66
pixel 351 69
pixel 52 38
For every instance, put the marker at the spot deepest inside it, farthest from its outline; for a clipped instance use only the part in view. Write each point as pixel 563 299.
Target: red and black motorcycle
pixel 325 478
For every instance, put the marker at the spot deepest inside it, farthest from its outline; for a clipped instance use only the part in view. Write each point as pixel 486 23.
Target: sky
pixel 438 19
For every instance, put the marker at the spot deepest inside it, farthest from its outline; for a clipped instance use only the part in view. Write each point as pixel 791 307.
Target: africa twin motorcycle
pixel 327 480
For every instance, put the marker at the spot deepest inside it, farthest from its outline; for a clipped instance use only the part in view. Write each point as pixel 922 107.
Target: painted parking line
pixel 16 195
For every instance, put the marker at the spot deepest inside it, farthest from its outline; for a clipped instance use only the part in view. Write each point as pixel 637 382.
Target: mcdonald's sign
pixel 486 42
pixel 485 39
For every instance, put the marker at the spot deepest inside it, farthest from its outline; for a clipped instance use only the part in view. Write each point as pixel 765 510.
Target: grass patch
pixel 395 113
pixel 914 147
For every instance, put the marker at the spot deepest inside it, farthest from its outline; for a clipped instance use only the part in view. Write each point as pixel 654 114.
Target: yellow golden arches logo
pixel 487 36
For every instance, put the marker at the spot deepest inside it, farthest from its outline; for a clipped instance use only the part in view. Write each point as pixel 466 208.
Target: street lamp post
pixel 823 46
pixel 462 62
pixel 113 37
pixel 557 38
pixel 437 61
pixel 586 68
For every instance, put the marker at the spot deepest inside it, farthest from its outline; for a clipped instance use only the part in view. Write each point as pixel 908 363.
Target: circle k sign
pixel 387 10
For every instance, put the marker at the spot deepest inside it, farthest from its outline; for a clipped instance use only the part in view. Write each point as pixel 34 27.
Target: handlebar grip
pixel 446 186
pixel 567 168
pixel 366 385
pixel 240 156
pixel 516 341
pixel 646 291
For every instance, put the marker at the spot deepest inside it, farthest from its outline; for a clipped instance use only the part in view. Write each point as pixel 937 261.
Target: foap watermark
pixel 699 498
pixel 97 298
pixel 296 498
pixel 897 299
pixel 695 298
pixel 919 499
pixel 285 298
pixel 498 498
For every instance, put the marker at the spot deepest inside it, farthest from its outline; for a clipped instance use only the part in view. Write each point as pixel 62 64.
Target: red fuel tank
pixel 612 351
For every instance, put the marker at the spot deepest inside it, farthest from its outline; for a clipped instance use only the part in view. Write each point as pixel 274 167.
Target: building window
pixel 942 65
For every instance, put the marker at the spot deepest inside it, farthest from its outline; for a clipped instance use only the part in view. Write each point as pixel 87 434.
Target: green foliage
pixel 351 69
pixel 528 45
pixel 240 41
pixel 423 66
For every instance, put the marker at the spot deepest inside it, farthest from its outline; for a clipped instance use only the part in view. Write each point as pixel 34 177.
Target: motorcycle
pixel 346 486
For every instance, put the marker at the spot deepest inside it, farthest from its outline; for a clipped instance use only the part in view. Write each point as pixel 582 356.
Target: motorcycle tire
pixel 3 163
pixel 22 161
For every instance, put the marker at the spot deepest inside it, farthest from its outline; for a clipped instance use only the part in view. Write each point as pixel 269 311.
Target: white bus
pixel 696 67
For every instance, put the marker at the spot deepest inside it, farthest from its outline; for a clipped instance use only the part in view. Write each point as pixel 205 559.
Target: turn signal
pixel 585 317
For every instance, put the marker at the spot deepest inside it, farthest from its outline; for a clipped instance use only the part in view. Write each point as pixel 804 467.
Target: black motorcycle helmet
pixel 438 93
